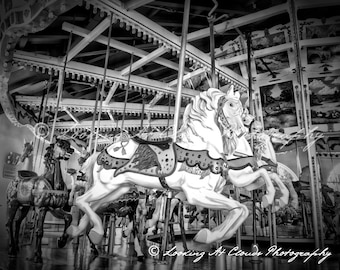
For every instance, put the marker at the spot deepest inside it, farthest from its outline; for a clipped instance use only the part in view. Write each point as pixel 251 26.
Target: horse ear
pixel 230 91
pixel 225 88
pixel 24 141
pixel 237 94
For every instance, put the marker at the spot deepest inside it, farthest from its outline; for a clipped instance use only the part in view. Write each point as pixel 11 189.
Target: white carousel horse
pixel 207 121
pixel 246 172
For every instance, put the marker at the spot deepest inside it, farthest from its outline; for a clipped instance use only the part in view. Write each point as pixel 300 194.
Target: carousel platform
pixel 68 258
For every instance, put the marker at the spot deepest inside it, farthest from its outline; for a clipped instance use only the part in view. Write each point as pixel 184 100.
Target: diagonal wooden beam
pixel 153 102
pixel 111 116
pixel 133 4
pixel 118 45
pixel 188 76
pixel 75 119
pixel 256 54
pixel 240 21
pixel 111 93
pixel 100 28
pixel 143 61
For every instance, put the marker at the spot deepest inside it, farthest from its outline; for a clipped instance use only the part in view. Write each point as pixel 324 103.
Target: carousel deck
pixel 67 259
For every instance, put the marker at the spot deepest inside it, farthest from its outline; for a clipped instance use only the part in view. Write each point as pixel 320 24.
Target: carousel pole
pixel 214 84
pixel 176 116
pixel 60 87
pixel 103 83
pixel 314 181
pixel 255 260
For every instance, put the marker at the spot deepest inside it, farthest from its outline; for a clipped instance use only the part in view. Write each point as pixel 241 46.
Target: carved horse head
pixel 27 150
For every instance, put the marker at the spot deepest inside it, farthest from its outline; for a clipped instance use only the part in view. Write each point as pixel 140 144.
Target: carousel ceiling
pixel 51 45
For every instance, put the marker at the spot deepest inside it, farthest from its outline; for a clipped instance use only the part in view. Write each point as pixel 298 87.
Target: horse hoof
pixel 96 238
pixel 202 236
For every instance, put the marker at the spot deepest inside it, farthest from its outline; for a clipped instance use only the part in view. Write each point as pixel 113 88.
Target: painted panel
pixel 325 99
pixel 278 105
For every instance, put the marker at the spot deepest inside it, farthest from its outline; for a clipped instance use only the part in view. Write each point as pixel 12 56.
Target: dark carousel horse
pixel 46 192
pixel 126 208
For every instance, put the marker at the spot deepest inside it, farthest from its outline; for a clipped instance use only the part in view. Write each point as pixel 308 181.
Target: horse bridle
pixel 221 116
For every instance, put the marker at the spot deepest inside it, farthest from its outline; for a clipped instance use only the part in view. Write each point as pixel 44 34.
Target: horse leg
pixel 98 192
pixel 210 199
pixel 155 216
pixel 294 198
pixel 22 214
pixel 39 234
pixel 67 217
pixel 75 231
pixel 284 198
pixel 247 180
pixel 12 208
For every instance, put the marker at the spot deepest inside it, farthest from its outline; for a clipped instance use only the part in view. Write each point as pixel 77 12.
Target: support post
pixel 181 67
pixel 314 183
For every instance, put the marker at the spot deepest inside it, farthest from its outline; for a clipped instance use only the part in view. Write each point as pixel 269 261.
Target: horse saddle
pixel 151 158
pixel 25 186
pixel 159 159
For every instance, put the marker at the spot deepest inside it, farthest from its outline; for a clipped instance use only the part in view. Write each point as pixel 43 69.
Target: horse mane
pixel 196 111
pixel 87 168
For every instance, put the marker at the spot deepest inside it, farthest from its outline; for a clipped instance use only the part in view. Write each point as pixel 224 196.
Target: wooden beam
pixel 71 115
pixel 301 4
pixel 144 60
pixel 94 72
pixel 188 76
pixel 107 124
pixel 111 93
pixel 100 28
pixel 30 88
pixel 197 8
pixel 118 45
pixel 240 21
pixel 111 117
pixel 153 102
pixel 257 54
pixel 88 105
pixel 133 4
pixel 315 42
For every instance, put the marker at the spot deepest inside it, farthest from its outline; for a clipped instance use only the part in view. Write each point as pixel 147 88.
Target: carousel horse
pixel 248 173
pixel 211 124
pixel 257 162
pixel 46 192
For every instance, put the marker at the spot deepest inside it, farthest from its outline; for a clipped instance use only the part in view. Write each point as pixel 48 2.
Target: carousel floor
pixel 67 259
